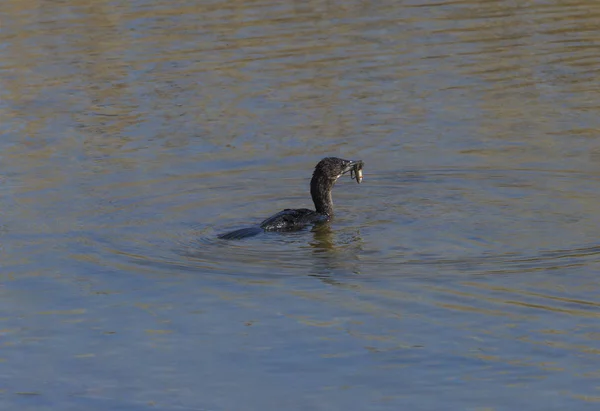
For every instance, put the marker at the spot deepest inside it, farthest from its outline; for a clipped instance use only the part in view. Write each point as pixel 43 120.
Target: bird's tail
pixel 241 233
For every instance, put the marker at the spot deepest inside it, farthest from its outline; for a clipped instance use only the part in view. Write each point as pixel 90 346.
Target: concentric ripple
pixel 480 221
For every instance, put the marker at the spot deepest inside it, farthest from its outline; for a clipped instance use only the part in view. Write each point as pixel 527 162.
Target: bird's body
pixel 292 219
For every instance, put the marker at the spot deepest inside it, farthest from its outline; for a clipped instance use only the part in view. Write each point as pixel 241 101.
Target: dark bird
pixel 324 177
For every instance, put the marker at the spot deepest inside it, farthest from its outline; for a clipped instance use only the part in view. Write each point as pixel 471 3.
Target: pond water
pixel 463 274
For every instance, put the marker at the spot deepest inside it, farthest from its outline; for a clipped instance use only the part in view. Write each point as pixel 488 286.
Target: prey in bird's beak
pixel 355 168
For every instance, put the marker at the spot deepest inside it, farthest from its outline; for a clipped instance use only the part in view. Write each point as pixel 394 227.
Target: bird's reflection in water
pixel 322 238
pixel 334 257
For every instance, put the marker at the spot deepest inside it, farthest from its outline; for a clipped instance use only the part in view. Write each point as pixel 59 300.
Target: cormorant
pixel 324 177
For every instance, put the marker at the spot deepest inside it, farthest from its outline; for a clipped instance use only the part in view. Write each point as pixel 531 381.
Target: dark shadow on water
pixel 333 257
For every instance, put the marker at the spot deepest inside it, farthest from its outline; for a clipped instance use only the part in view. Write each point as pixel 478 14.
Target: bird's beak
pixel 355 169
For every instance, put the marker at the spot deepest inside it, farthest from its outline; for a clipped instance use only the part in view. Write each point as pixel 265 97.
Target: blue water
pixel 461 275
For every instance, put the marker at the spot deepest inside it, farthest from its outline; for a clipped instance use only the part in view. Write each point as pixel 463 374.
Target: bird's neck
pixel 320 191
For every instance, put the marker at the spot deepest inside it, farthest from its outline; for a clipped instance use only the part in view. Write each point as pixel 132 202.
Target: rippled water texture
pixel 463 274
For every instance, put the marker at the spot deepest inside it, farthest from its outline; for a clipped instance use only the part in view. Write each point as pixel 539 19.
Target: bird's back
pixel 292 219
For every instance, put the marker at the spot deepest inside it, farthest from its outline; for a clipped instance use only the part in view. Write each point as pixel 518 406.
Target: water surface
pixel 461 275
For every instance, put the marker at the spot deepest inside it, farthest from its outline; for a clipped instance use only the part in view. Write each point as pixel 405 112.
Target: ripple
pixel 412 221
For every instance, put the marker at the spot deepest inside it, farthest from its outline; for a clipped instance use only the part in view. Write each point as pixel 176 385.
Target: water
pixel 461 275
